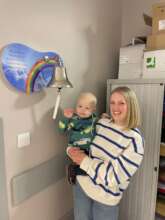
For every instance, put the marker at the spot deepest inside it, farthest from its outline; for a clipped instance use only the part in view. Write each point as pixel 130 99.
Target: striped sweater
pixel 115 155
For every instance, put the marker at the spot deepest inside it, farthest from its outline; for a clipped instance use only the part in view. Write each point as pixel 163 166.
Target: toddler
pixel 80 124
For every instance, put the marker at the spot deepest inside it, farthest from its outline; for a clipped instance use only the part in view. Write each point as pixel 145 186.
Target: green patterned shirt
pixel 80 130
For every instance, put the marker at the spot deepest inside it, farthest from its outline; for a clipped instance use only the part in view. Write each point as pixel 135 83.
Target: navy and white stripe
pixel 116 154
pixel 122 134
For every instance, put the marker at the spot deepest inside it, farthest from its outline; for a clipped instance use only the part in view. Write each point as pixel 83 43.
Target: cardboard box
pixel 158 24
pixel 131 61
pixel 154 64
pixel 157 21
pixel 158 9
pixel 155 42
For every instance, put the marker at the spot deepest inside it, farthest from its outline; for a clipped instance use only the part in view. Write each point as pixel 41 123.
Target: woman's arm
pixel 112 173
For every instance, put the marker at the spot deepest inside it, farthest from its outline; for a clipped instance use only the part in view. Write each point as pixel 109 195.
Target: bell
pixel 60 79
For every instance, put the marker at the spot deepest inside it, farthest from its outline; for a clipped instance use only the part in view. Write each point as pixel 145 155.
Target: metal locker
pixel 139 200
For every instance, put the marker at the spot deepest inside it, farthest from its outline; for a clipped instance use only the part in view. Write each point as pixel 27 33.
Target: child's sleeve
pixel 63 124
pixel 94 125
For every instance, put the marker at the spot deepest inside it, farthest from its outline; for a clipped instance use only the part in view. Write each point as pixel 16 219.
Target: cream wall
pixel 132 18
pixel 87 36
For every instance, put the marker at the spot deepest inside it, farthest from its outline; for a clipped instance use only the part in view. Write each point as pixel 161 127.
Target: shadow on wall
pixel 25 101
pixel 93 79
pixel 40 176
pixel 46 141
pixel 46 128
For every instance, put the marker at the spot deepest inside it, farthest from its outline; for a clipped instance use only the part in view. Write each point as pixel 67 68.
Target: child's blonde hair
pixel 133 115
pixel 90 97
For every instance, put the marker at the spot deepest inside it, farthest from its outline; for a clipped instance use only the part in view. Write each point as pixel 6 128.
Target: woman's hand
pixel 76 155
pixel 105 115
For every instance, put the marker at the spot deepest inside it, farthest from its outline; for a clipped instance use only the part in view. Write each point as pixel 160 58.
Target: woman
pixel 115 155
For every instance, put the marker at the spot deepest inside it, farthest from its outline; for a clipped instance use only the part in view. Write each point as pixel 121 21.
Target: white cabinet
pixel 160 202
pixel 139 200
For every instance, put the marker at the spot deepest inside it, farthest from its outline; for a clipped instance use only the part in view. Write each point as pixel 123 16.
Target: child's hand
pixel 76 155
pixel 71 150
pixel 105 115
pixel 68 112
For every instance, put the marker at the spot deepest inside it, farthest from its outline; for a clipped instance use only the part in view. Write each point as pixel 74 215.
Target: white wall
pixel 132 18
pixel 87 36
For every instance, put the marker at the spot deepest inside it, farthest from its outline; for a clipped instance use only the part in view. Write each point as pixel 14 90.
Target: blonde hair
pixel 90 97
pixel 133 118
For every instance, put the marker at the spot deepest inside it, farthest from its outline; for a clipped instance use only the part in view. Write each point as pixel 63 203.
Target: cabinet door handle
pixel 155 169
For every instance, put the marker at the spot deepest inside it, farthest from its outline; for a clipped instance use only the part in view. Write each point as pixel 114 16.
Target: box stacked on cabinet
pixel 158 20
pixel 155 42
pixel 131 61
pixel 154 64
pixel 157 39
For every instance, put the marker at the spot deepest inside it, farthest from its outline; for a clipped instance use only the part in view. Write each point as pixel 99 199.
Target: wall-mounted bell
pixel 60 79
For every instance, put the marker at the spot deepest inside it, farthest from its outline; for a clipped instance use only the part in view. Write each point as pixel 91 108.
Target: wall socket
pixel 23 139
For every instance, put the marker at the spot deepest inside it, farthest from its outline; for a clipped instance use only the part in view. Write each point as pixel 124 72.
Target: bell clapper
pixel 57 103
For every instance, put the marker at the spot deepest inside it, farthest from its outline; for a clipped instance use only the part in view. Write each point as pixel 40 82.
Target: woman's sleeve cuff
pixel 85 164
pixel 67 149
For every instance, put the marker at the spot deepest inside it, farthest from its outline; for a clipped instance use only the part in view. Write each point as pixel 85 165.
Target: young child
pixel 80 124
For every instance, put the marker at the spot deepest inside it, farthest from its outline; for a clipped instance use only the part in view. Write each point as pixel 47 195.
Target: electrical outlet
pixel 23 139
